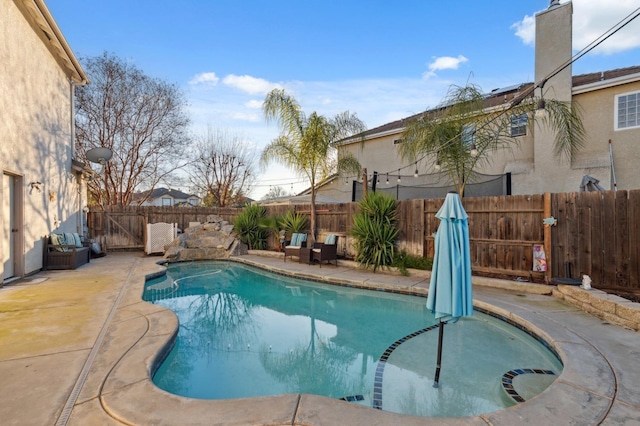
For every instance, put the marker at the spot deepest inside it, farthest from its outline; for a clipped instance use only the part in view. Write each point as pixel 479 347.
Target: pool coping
pixel 583 393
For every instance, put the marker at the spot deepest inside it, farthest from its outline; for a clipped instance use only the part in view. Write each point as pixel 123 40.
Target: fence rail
pixel 597 233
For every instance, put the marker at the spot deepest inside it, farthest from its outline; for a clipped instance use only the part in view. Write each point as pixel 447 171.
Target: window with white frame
pixel 468 134
pixel 166 201
pixel 627 110
pixel 518 125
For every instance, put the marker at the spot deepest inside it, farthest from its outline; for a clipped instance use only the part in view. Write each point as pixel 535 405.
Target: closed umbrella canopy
pixel 450 292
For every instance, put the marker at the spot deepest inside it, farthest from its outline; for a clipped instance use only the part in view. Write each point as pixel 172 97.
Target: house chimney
pixel 553 50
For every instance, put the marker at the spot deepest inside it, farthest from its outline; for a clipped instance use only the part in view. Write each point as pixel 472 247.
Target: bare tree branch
pixel 222 168
pixel 141 119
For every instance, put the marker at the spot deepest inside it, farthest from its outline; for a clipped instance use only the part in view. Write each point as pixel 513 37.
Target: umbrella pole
pixel 439 359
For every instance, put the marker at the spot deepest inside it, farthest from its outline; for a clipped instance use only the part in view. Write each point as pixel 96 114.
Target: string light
pixel 399 177
pixel 415 174
pixel 540 84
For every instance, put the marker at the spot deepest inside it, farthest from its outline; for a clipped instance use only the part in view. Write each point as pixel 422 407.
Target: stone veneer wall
pixel 614 309
pixel 214 239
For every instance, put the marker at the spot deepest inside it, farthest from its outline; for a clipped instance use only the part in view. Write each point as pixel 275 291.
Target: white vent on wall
pixel 160 235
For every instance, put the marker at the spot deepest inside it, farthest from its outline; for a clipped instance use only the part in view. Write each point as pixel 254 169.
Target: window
pixel 627 114
pixel 397 141
pixel 166 201
pixel 518 125
pixel 468 134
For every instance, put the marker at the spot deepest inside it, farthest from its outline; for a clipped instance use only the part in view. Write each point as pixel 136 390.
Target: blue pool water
pixel 245 332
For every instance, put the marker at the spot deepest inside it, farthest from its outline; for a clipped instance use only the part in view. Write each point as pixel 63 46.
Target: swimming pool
pixel 245 332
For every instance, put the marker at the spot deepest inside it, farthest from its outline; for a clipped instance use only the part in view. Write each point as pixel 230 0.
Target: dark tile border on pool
pixel 378 377
pixel 584 393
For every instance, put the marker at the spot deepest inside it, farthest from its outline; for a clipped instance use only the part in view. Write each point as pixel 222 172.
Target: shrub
pixel 404 261
pixel 374 230
pixel 293 222
pixel 249 224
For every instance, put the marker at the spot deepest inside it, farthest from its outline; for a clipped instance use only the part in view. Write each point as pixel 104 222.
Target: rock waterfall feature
pixel 214 239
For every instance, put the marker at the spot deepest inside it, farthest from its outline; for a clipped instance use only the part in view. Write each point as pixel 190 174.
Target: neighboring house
pixel 291 200
pixel 609 102
pixel 43 188
pixel 166 197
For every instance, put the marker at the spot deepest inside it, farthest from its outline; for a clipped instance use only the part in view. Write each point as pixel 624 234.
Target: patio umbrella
pixel 450 295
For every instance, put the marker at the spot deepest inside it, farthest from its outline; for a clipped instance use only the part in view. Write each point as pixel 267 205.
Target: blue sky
pixel 382 60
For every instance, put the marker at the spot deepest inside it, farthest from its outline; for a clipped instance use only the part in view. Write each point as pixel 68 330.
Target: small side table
pixel 305 255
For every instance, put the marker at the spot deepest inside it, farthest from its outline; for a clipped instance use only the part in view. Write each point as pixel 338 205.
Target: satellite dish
pixel 99 155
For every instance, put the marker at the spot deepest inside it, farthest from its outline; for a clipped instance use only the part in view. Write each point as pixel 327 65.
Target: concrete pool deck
pixel 76 347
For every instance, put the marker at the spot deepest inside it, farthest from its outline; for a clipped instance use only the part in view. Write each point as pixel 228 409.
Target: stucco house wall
pixel 36 133
pixel 599 117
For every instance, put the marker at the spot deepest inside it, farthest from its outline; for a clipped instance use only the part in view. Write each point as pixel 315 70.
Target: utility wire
pixel 539 84
pixel 595 43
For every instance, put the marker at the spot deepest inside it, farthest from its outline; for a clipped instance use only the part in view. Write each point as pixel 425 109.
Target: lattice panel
pixel 160 235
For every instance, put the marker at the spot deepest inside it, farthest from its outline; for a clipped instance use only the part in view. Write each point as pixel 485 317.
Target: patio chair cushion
pixel 77 239
pixel 58 240
pixel 70 239
pixel 297 239
pixel 330 239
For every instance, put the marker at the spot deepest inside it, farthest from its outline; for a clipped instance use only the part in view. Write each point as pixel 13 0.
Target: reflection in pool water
pixel 245 332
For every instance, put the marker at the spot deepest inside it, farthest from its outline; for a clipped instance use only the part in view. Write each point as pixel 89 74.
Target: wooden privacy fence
pixel 597 233
pixel 124 227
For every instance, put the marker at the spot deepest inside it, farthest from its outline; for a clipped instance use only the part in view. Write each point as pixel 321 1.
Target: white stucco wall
pixel 35 134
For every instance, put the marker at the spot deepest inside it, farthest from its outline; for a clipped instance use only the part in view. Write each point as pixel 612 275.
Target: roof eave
pixel 41 18
pixel 604 84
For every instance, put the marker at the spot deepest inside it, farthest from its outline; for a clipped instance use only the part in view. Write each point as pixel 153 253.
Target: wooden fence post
pixel 547 236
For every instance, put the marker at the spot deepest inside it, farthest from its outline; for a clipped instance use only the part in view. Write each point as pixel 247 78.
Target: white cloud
pixel 526 30
pixel 209 78
pixel 249 84
pixel 244 116
pixel 254 104
pixel 444 63
pixel 592 19
pixel 375 101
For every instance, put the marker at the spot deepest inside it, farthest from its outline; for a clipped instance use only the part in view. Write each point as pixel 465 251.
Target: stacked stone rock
pixel 214 239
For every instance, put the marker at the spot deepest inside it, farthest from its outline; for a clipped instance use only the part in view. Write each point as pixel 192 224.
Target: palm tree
pixel 308 145
pixel 459 136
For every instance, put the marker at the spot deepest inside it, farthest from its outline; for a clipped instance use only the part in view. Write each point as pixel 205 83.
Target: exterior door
pixel 9 228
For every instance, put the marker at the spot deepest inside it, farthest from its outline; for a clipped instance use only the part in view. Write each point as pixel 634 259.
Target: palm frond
pixel 564 119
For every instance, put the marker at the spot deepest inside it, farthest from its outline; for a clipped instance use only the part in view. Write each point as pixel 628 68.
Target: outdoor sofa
pixel 65 251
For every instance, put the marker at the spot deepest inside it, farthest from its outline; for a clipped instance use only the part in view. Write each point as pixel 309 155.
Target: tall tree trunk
pixel 312 236
pixel 364 183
